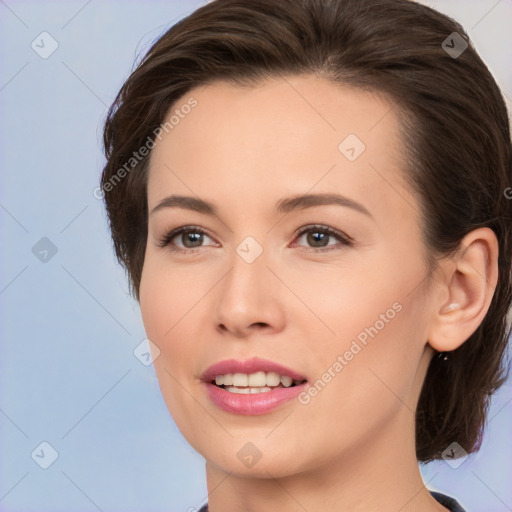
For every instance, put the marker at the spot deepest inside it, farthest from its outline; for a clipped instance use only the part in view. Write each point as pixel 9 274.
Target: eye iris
pixel 191 237
pixel 317 236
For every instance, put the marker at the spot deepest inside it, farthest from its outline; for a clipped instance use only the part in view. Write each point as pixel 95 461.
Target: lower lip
pixel 252 404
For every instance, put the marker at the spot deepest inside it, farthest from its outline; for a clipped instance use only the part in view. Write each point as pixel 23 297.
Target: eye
pixel 191 237
pixel 319 237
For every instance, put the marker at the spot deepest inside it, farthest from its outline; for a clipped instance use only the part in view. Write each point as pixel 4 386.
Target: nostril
pixel 260 324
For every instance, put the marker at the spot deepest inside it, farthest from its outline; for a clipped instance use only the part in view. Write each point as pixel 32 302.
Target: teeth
pixel 240 379
pixel 286 381
pixel 273 379
pixel 256 380
pixel 247 391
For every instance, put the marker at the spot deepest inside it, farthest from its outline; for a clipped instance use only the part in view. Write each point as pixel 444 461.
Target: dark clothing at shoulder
pixel 451 504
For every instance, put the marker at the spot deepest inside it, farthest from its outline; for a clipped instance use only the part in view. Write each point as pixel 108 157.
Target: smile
pixel 259 382
pixel 251 387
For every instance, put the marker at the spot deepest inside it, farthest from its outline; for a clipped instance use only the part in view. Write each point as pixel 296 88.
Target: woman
pixel 310 200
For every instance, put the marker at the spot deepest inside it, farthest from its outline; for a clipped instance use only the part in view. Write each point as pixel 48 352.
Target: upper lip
pixel 248 366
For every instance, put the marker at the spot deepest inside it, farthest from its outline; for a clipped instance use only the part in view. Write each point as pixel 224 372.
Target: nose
pixel 250 299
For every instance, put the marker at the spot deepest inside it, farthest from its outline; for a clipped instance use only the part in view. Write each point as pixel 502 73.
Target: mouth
pixel 251 387
pixel 251 373
pixel 258 382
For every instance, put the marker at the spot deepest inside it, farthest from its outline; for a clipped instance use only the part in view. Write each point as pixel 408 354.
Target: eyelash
pixel 344 240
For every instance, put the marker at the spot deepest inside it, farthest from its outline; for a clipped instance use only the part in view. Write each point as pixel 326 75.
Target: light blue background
pixel 68 327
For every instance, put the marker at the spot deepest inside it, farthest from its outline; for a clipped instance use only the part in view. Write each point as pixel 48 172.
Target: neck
pixel 381 474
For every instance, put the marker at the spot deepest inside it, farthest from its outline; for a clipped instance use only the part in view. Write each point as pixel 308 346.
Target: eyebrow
pixel 283 206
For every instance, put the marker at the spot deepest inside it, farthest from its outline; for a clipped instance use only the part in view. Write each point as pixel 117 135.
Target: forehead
pixel 285 135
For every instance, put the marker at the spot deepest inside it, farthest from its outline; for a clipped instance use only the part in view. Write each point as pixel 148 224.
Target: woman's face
pixel 347 310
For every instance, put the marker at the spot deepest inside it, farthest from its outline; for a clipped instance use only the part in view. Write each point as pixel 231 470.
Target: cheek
pixel 173 302
pixel 166 302
pixel 154 301
pixel 163 302
pixel 167 296
pixel 366 377
pixel 379 315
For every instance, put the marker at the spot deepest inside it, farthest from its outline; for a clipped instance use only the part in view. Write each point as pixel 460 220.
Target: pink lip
pixel 258 403
pixel 251 404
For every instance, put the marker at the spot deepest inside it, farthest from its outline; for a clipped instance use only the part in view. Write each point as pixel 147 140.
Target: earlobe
pixel 471 276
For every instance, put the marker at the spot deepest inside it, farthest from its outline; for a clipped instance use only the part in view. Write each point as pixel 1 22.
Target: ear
pixel 470 278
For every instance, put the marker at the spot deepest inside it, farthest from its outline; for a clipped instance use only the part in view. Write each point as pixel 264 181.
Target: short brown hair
pixel 456 131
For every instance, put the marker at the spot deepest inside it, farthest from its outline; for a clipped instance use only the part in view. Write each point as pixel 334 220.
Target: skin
pixel 352 447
